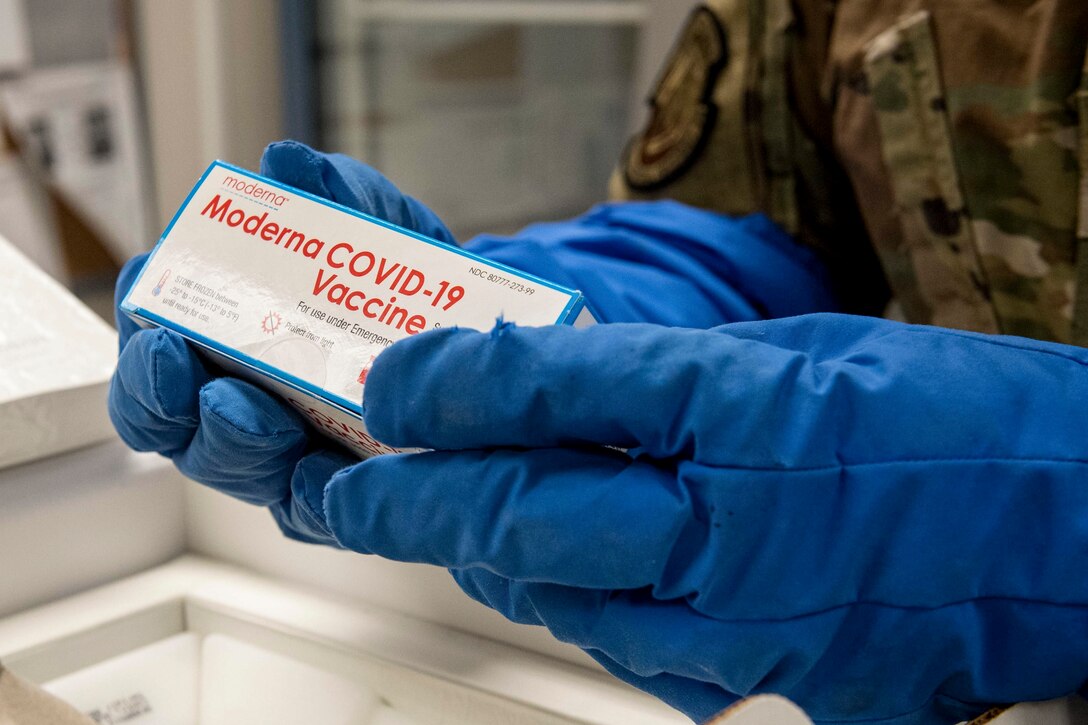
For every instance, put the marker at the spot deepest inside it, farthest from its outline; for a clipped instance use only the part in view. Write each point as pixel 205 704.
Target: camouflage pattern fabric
pixel 1080 316
pixel 953 130
pixel 683 144
pixel 757 154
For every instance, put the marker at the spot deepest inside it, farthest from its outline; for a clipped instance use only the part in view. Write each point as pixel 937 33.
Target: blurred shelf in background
pixel 75 191
pixel 495 113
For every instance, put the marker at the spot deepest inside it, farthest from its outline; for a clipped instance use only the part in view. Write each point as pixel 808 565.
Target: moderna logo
pixel 254 190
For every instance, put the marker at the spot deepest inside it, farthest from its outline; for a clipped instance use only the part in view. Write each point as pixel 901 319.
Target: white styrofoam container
pixel 56 358
pixel 85 518
pixel 158 684
pixel 422 672
pixel 426 672
pixel 241 684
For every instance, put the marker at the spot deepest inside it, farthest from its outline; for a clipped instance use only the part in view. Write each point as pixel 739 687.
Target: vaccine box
pixel 300 295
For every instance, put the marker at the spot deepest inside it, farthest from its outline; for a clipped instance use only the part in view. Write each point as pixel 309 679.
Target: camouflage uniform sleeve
pixel 936 145
pixel 728 132
pixel 960 138
pixel 1080 315
pixel 695 147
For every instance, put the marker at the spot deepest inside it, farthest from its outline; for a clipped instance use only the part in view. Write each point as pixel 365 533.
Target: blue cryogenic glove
pixel 219 431
pixel 662 263
pixel 227 433
pixel 653 262
pixel 885 523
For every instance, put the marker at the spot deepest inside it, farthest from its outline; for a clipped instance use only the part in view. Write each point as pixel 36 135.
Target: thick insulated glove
pixel 885 523
pixel 227 433
pixel 220 431
pixel 665 263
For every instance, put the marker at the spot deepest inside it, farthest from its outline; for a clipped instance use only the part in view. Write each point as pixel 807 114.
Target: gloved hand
pixel 227 433
pixel 219 431
pixel 885 523
pixel 655 262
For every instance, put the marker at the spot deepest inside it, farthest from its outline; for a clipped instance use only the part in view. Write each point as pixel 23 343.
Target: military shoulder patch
pixel 682 111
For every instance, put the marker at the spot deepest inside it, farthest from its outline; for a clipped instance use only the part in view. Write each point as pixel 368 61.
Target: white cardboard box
pixel 300 295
